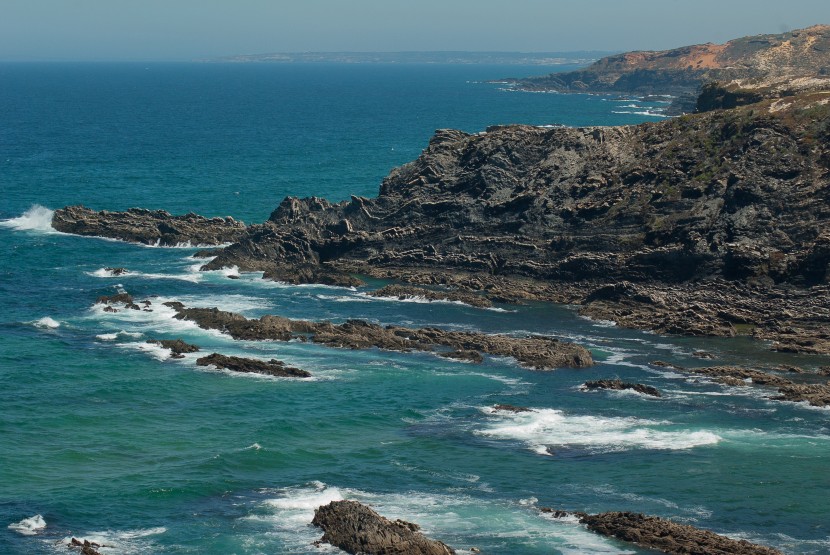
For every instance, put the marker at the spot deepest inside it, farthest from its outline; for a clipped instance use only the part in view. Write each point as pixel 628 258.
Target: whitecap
pixel 46 322
pixel 29 526
pixel 36 218
pixel 543 429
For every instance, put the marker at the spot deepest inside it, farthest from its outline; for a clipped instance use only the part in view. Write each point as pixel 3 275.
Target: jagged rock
pixel 511 408
pixel 669 537
pixel 816 394
pixel 537 352
pixel 252 366
pixel 710 224
pixel 466 356
pixel 621 385
pixel 119 298
pixel 85 547
pixel 411 292
pixel 117 271
pixel 177 347
pixel 149 227
pixel 356 528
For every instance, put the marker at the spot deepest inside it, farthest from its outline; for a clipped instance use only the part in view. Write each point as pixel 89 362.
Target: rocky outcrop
pixel 177 347
pixel 511 408
pixel 85 547
pixel 357 529
pixel 404 292
pixel 669 537
pixel 742 65
pixel 537 352
pixel 619 385
pixel 812 392
pixel 253 366
pixel 711 224
pixel 149 227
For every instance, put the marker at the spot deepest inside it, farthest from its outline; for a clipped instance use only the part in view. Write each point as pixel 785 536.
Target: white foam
pixel 121 541
pixel 105 273
pixel 153 349
pixel 116 335
pixel 46 323
pixel 542 429
pixel 36 218
pixel 29 526
pixel 645 113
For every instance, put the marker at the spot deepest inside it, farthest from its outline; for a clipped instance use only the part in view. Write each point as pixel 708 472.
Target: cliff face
pixel 747 62
pixel 739 194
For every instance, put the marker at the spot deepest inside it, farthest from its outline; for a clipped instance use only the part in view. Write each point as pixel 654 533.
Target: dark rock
pixel 117 271
pixel 147 226
pixel 537 352
pixel 356 528
pixel 411 292
pixel 120 298
pixel 816 394
pixel 620 385
pixel 703 354
pixel 511 408
pixel 110 309
pixel 85 547
pixel 669 537
pixel 252 366
pixel 176 346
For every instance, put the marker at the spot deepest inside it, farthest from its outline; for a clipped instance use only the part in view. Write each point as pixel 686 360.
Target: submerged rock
pixel 511 408
pixel 816 394
pixel 253 366
pixel 357 529
pixel 620 385
pixel 669 537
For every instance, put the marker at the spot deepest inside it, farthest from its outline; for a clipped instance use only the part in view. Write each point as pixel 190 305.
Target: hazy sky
pixel 190 29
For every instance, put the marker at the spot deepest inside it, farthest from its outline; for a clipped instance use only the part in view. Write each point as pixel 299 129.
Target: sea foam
pixel 29 526
pixel 36 218
pixel 545 429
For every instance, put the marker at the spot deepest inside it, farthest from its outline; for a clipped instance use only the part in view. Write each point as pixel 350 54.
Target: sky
pixel 179 30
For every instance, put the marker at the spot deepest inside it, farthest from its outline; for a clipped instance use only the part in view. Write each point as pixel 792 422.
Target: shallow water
pixel 109 439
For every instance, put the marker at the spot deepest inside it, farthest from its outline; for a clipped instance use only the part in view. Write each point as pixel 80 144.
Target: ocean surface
pixel 105 437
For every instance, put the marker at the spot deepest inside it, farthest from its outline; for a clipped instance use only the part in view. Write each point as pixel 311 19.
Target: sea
pixel 105 437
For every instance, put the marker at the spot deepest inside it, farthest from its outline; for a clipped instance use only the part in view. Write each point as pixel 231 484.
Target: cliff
pixel 752 62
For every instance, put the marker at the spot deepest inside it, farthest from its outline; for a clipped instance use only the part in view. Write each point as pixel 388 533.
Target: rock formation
pixel 537 352
pixel 149 227
pixel 710 224
pixel 620 385
pixel 669 537
pixel 253 366
pixel 356 528
pixel 177 347
pixel 741 71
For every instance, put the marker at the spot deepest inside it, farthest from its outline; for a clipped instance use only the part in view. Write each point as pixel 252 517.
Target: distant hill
pixel 798 59
pixel 508 58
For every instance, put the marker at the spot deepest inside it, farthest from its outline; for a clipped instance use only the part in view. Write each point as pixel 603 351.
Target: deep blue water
pixel 108 438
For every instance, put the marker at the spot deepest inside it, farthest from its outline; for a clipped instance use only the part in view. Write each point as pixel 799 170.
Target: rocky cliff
pixel 711 224
pixel 797 59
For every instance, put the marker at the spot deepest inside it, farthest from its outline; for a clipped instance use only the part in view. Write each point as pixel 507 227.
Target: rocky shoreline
pixel 536 352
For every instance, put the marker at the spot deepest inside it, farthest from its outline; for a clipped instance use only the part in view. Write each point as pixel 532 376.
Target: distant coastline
pixel 444 57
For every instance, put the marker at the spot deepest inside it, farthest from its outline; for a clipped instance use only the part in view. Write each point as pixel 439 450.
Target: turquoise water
pixel 109 439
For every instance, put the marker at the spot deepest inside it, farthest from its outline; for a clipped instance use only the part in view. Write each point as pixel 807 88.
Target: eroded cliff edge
pixel 711 224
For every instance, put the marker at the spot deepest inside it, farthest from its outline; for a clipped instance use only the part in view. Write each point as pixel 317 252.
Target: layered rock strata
pixel 712 224
pixel 537 352
pixel 149 227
